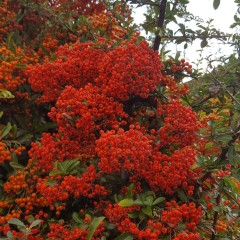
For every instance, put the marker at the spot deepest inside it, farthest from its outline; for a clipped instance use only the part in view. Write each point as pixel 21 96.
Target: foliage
pixel 100 138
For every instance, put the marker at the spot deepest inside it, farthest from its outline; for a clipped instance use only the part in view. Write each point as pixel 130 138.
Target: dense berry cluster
pixel 180 125
pixel 4 153
pixel 167 222
pixel 169 172
pixel 63 232
pixel 130 70
pixel 129 150
pixel 80 114
pixel 10 68
pixel 74 66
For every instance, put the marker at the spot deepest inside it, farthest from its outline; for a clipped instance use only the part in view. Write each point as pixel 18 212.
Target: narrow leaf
pixel 158 200
pixel 35 223
pixel 6 130
pixel 93 226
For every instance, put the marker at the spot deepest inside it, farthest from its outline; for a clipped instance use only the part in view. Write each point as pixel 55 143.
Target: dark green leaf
pixel 6 130
pixel 158 200
pixel 182 195
pixel 216 4
pixel 204 43
pixel 130 190
pixel 147 211
pixel 77 218
pixel 56 172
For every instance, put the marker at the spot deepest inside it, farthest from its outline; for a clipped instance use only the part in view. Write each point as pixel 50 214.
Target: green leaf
pixel 124 236
pixel 110 226
pixel 93 226
pixel 126 202
pixel 204 43
pixel 133 215
pixel 17 222
pixel 6 94
pixel 130 190
pixel 9 235
pixel 147 211
pixel 35 223
pixel 138 202
pixel 233 184
pixel 76 217
pixel 9 39
pixel 195 166
pixel 231 155
pixel 6 130
pixel 61 167
pixel 158 200
pixel 16 166
pixel 55 172
pixel 71 165
pixel 216 4
pixel 18 65
pixel 216 208
pixel 148 201
pixel 224 137
pixel 182 195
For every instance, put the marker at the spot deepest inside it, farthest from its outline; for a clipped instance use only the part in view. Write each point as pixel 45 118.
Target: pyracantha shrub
pixel 113 128
pixel 121 158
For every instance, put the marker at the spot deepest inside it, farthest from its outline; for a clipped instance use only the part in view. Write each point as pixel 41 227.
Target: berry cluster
pixel 129 150
pixel 74 66
pixel 170 172
pixel 129 70
pixel 180 125
pixel 81 113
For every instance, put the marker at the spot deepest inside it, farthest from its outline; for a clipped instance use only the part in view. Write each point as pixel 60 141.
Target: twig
pixel 215 217
pixel 219 83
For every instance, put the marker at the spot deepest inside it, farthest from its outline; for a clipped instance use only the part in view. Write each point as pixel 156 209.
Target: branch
pixel 160 22
pixel 215 217
pixel 193 37
pixel 142 3
pixel 175 5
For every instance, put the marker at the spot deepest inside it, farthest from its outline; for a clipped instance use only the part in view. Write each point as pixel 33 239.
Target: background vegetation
pixel 100 136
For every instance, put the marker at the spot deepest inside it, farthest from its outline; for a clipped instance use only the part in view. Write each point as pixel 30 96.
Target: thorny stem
pixel 215 217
